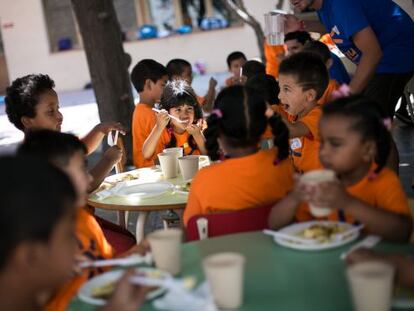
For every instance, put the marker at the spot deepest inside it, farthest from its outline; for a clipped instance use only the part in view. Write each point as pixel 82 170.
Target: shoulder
pixel 386 177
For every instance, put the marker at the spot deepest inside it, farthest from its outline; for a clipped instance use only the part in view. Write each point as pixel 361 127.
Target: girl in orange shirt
pixel 247 177
pixel 180 101
pixel 355 143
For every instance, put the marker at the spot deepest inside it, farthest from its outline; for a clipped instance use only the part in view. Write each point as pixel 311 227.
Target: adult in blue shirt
pixel 377 35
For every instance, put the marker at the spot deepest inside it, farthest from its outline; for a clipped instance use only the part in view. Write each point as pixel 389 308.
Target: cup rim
pixel 355 269
pixel 212 259
pixel 189 157
pixel 165 233
pixel 326 173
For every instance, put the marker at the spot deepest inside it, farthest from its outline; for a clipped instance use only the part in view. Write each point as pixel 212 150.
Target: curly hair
pixel 22 96
pixel 178 93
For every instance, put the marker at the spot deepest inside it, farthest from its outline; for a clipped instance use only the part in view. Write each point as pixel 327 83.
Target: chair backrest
pixel 251 219
pixel 120 166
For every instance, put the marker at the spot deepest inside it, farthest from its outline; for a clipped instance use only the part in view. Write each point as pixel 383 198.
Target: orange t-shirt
pixel 327 96
pixel 239 183
pixel 272 61
pixel 143 121
pixel 94 246
pixel 383 192
pixel 181 141
pixel 305 150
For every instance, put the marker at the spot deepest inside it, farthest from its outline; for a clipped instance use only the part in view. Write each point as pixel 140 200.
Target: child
pixel 32 103
pixel 252 68
pixel 37 224
pixel 178 100
pixel 355 144
pixel 235 61
pixel 68 153
pixel 303 79
pixel 149 79
pixel 247 177
pixel 320 49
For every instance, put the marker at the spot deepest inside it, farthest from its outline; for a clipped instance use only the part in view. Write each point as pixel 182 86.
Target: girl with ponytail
pixel 355 144
pixel 245 177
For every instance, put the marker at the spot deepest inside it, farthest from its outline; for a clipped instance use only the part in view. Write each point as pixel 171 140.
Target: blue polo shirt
pixel 393 27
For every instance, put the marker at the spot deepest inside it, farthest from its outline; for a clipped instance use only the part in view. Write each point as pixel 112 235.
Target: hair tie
pixel 343 91
pixel 276 161
pixel 170 130
pixel 372 175
pixel 387 123
pixel 218 113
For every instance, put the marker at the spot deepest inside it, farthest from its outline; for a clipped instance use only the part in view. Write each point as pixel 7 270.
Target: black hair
pixel 35 196
pixel 176 67
pixel 252 68
pixel 234 56
pixel 309 71
pixel 56 147
pixel 22 96
pixel 300 36
pixel 318 48
pixel 178 93
pixel 144 70
pixel 366 119
pixel 242 121
pixel 265 85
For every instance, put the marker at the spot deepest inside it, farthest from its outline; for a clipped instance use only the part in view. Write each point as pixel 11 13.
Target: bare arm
pixel 111 156
pixel 195 131
pixel 94 138
pixel 151 142
pixel 367 42
pixel 283 212
pixel 210 96
pixel 297 129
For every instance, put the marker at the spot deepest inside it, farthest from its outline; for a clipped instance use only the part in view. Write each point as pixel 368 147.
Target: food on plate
pixel 103 292
pixel 322 233
pixel 185 187
pixel 127 177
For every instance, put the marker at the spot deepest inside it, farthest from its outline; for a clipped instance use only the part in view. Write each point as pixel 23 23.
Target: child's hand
pixel 330 194
pixel 127 296
pixel 107 127
pixel 292 23
pixel 113 154
pixel 141 249
pixel 193 129
pixel 301 192
pixel 212 83
pixel 79 258
pixel 162 119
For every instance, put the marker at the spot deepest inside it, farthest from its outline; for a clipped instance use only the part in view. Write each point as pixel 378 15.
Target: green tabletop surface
pixel 277 278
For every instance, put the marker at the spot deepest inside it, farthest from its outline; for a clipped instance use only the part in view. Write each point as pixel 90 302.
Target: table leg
pixel 139 231
pixel 122 219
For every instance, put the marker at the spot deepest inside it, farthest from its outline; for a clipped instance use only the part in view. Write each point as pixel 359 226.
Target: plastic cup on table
pixel 166 249
pixel 371 285
pixel 313 178
pixel 168 163
pixel 179 151
pixel 225 274
pixel 189 166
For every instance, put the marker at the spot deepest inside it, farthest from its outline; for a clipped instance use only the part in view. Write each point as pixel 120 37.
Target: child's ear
pixel 148 85
pixel 329 63
pixel 26 121
pixel 369 150
pixel 310 95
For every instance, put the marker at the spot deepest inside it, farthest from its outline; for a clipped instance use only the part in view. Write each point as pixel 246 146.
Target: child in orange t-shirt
pixel 303 79
pixel 149 79
pixel 274 55
pixel 178 100
pixel 235 62
pixel 182 70
pixel 320 49
pixel 67 152
pixel 247 177
pixel 355 145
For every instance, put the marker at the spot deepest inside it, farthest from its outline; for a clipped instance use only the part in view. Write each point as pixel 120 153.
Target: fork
pixel 171 116
pixel 126 261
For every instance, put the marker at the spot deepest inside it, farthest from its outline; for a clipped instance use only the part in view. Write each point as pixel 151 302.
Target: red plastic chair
pixel 251 219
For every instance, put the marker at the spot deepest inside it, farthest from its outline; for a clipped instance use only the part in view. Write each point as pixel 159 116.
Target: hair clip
pixel 343 91
pixel 218 113
pixel 387 123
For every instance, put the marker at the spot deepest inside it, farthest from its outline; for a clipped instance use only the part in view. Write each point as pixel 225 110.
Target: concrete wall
pixel 27 50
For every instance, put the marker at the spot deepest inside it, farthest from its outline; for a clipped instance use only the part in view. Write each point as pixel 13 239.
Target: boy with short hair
pixel 178 68
pixel 32 103
pixel 320 49
pixel 149 78
pixel 252 68
pixel 37 220
pixel 303 79
pixel 235 61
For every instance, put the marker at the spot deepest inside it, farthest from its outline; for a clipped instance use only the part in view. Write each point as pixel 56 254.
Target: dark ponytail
pixel 281 136
pixel 212 134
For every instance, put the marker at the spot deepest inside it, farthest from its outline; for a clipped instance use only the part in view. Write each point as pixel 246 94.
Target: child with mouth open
pixel 179 101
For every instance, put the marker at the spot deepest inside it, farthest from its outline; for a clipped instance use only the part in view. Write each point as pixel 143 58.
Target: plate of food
pixel 127 176
pixel 144 190
pixel 323 234
pixel 100 288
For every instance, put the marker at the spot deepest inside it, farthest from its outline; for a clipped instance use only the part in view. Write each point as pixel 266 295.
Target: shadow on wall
pixel 4 77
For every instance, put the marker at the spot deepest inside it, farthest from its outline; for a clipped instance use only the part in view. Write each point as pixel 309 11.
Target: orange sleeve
pixel 272 62
pixel 193 206
pixel 327 96
pixel 311 120
pixel 143 120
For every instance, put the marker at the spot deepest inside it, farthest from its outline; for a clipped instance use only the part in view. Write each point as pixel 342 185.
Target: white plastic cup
pixel 371 285
pixel 169 163
pixel 275 27
pixel 166 249
pixel 313 178
pixel 225 274
pixel 189 166
pixel 179 151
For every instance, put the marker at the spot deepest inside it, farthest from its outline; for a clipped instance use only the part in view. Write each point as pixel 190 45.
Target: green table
pixel 277 277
